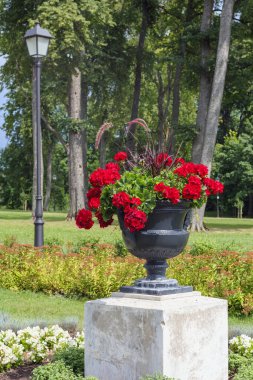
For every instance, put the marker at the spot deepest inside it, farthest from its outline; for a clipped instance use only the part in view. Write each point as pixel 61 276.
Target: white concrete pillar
pixel 183 336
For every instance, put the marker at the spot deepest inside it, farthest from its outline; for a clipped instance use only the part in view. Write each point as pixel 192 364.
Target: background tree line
pixel 164 61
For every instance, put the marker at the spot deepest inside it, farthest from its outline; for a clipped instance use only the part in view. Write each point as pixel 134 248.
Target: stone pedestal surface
pixel 183 336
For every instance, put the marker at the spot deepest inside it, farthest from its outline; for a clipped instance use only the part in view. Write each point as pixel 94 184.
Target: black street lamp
pixel 37 40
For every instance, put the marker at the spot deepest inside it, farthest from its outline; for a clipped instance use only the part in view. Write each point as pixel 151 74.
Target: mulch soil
pixel 20 373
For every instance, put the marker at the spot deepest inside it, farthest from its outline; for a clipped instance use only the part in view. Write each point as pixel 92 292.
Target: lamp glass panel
pixel 32 46
pixel 42 46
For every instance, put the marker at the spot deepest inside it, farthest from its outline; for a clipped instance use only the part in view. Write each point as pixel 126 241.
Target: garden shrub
pixel 55 371
pixel 224 274
pixel 73 357
pixel 96 271
pixel 245 372
pixel 235 362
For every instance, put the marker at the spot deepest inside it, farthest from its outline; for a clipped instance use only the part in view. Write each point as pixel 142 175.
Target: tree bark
pixel 204 149
pixel 84 116
pixel 204 98
pixel 212 119
pixel 163 101
pixel 205 81
pixel 176 99
pixel 130 143
pixel 102 144
pixel 49 177
pixel 76 144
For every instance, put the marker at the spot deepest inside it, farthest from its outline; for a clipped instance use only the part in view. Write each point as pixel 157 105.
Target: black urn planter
pixel 164 236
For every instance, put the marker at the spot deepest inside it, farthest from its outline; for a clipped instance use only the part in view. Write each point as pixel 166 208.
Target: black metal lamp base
pixel 156 287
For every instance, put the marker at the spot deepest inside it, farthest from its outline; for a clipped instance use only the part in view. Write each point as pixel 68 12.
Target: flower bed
pixel 34 344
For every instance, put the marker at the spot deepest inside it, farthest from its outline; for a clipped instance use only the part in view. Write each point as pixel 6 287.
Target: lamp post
pixel 37 40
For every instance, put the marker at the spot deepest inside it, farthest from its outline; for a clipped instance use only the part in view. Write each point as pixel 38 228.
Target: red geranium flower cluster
pixel 187 181
pixel 120 156
pixel 135 219
pixel 213 187
pixel 189 168
pixel 170 193
pixel 103 177
pixel 84 219
pixel 192 190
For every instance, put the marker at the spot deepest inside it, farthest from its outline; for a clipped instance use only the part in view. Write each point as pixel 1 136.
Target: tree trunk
pixel 204 98
pixel 102 144
pixel 84 116
pixel 205 81
pixel 76 144
pixel 49 177
pixel 204 149
pixel 163 102
pixel 130 143
pixel 176 99
pixel 213 114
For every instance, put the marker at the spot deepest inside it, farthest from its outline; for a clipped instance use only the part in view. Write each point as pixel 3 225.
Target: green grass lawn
pixel 225 232
pixel 22 309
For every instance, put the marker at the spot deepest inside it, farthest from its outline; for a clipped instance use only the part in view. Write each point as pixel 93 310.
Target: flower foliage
pixel 133 183
pixel 34 344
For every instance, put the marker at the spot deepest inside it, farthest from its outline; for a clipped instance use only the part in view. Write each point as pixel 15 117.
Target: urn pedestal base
pixel 183 336
pixel 156 287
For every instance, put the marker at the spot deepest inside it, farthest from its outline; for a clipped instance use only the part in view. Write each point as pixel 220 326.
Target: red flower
pixel 94 192
pixel 121 199
pixel 160 187
pixel 120 156
pixel 136 201
pixel 113 166
pixel 94 203
pixel 163 159
pixel 193 180
pixel 179 160
pixel 201 170
pixel 135 220
pixel 185 169
pixel 101 220
pixel 102 177
pixel 84 219
pixel 213 187
pixel 170 193
pixel 191 191
pixel 96 177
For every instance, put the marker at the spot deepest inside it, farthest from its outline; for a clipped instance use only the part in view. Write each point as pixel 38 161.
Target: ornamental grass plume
pixel 134 182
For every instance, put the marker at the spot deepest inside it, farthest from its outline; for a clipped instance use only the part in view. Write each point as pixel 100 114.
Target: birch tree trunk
pixel 130 143
pixel 76 144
